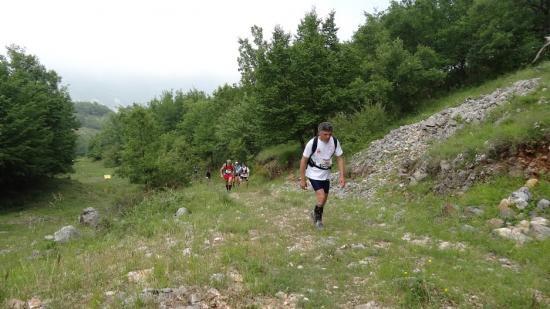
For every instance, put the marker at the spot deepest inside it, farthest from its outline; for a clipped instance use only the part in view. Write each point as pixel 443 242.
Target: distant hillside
pixel 91 116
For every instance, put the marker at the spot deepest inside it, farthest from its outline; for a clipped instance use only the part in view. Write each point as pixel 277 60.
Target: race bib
pixel 325 163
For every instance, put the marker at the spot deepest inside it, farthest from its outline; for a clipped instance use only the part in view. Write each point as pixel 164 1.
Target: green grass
pixel 457 97
pixel 523 121
pixel 265 236
pixel 260 239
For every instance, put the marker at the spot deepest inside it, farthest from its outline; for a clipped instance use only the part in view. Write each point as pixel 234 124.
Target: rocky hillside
pixel 398 155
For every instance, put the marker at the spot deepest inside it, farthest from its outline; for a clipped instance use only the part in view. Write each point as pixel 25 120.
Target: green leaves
pixel 37 134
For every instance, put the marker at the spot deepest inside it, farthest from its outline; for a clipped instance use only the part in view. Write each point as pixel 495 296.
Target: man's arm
pixel 303 164
pixel 341 168
pixel 221 170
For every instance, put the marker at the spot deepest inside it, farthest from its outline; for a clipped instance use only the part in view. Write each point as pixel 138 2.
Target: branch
pixel 542 49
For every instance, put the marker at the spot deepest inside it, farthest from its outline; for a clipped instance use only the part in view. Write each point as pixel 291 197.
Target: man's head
pixel 228 161
pixel 325 131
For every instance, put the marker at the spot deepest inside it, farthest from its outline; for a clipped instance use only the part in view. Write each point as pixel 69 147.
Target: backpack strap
pixel 310 162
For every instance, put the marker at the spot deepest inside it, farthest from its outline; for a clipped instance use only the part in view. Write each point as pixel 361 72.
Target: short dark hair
pixel 324 126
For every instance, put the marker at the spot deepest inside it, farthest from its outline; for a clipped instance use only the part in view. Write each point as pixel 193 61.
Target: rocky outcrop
pixel 400 150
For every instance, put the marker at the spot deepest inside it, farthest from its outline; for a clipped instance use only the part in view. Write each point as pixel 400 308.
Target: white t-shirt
pixel 321 157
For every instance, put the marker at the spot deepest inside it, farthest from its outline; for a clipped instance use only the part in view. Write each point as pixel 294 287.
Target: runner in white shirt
pixel 319 163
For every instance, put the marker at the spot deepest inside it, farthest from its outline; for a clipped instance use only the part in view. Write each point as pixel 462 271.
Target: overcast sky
pixel 123 51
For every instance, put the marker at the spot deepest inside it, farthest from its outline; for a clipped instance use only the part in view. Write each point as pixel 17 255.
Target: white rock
pixel 540 221
pixel 89 216
pixel 65 234
pixel 512 234
pixel 181 212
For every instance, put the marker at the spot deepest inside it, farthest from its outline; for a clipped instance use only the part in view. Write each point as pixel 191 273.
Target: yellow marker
pixel 106 176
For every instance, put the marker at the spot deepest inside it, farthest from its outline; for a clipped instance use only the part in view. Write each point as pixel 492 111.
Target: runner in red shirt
pixel 227 172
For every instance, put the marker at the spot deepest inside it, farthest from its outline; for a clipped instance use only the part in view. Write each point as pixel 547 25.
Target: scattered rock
pixel 217 277
pixel 187 252
pixel 449 209
pixel 531 183
pixel 65 234
pixel 468 228
pixel 472 211
pixel 34 303
pixel 505 212
pixel 520 198
pixel 182 211
pixel 512 233
pixel 543 204
pixel 139 276
pixel 539 228
pixel 495 223
pixel 370 305
pixel 89 216
pixel 16 304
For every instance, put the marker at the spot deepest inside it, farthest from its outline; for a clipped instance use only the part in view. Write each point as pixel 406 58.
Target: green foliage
pixel 36 120
pixel 92 116
pixel 357 130
pixel 272 161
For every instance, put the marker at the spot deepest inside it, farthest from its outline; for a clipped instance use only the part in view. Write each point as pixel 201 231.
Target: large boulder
pixel 89 216
pixel 65 234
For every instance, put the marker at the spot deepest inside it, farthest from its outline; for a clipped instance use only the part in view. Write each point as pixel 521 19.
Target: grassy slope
pixel 264 234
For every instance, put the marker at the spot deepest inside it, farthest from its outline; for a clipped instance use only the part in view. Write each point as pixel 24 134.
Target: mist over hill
pixel 91 117
pixel 115 91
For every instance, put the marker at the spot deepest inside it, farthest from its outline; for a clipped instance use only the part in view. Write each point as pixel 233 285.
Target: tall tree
pixel 37 124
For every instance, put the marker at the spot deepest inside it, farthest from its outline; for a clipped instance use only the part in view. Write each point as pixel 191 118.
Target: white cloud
pixel 163 39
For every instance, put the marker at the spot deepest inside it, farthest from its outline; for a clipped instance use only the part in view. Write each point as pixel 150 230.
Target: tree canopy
pixel 37 124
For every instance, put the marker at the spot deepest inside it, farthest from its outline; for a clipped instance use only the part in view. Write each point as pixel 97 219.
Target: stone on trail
pixel 495 223
pixel 543 204
pixel 513 234
pixel 15 303
pixel 531 183
pixel 139 276
pixel 181 212
pixel 472 211
pixel 520 198
pixel 89 216
pixel 65 234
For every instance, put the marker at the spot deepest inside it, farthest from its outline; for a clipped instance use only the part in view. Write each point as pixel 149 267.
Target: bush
pixel 355 131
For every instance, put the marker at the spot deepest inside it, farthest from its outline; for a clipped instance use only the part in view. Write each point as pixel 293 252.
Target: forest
pixel 397 61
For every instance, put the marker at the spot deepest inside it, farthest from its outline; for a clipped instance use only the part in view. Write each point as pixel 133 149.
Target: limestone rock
pixel 543 204
pixel 513 234
pixel 409 143
pixel 520 198
pixel 65 234
pixel 505 212
pixel 449 209
pixel 531 183
pixel 16 304
pixel 139 276
pixel 471 211
pixel 181 212
pixel 370 305
pixel 495 223
pixel 34 303
pixel 89 216
pixel 539 232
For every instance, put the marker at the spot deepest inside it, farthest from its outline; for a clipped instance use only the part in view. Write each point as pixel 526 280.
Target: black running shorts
pixel 320 184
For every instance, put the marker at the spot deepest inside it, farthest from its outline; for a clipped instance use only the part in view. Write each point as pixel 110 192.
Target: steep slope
pixel 387 157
